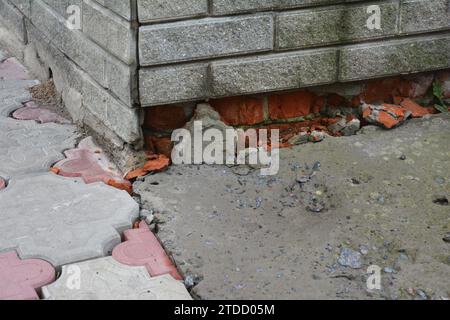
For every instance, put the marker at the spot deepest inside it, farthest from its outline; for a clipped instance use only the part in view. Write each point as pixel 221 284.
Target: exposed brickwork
pixel 238 111
pixel 163 118
pixel 306 110
pixel 159 145
pixel 291 105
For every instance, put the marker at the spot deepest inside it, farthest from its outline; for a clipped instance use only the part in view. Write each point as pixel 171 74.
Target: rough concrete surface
pixel 378 198
pixel 107 279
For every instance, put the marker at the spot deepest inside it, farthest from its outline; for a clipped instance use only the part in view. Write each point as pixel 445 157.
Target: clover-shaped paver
pixel 14 82
pixel 32 111
pixel 63 220
pixel 91 163
pixel 107 279
pixel 3 55
pixel 19 279
pixel 12 69
pixel 27 147
pixel 142 248
pixel 12 97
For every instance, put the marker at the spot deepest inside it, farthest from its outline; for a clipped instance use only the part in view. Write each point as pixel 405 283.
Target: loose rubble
pixel 350 258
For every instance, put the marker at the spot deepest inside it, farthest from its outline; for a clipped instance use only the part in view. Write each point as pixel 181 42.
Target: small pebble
pixel 447 237
pixel 422 294
pixel 388 270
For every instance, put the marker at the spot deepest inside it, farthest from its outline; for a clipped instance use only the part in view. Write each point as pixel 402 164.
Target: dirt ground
pixel 310 232
pixel 45 95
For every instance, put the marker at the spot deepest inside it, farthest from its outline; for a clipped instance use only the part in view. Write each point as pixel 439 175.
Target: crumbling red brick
pixel 155 163
pixel 356 102
pixel 416 109
pixel 291 105
pixel 383 90
pixel 444 78
pixel 335 100
pixel 165 118
pixel 237 111
pixel 159 145
pixel 385 115
pixel 319 104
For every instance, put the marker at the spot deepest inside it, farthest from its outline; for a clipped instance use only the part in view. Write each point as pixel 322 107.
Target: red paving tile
pixel 31 111
pixel 19 279
pixel 142 248
pixel 90 163
pixel 12 69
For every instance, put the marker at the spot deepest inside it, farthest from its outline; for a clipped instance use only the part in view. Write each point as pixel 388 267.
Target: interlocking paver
pixel 142 248
pixel 107 279
pixel 19 279
pixel 3 55
pixel 63 220
pixel 12 96
pixel 31 111
pixel 91 163
pixel 12 69
pixel 27 147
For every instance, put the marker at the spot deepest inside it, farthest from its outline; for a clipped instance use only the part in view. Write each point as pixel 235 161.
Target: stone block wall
pixel 223 48
pixel 94 66
pixel 151 61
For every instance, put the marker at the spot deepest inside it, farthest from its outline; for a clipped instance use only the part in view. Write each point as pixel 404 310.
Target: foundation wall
pixel 196 50
pixel 94 65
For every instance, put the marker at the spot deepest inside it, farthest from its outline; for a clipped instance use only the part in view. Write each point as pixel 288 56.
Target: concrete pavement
pixel 380 199
pixel 49 222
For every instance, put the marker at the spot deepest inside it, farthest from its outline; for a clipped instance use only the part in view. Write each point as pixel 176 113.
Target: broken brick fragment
pixel 237 111
pixel 142 248
pixel 156 163
pixel 2 184
pixel 417 110
pixel 140 172
pixel 385 115
pixel 121 185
